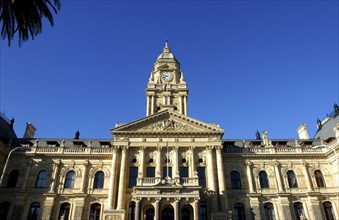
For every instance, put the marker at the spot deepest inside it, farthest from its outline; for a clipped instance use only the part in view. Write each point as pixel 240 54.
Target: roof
pixel 326 126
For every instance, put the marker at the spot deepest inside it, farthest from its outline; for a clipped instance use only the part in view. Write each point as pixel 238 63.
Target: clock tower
pixel 166 88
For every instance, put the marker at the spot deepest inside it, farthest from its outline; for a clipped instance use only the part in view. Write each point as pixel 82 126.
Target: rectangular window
pixel 202 176
pixel 183 172
pixel 169 171
pixel 150 172
pixel 133 175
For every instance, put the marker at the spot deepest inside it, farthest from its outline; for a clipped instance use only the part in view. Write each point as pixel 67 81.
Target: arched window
pixel 263 180
pixel 34 211
pixel 41 180
pixel 235 180
pixel 238 211
pixel 185 213
pixel 319 178
pixel 292 180
pixel 4 207
pixel 298 210
pixel 95 211
pixel 328 211
pixel 131 211
pixel 99 180
pixel 64 211
pixel 269 211
pixel 203 210
pixel 13 178
pixel 70 179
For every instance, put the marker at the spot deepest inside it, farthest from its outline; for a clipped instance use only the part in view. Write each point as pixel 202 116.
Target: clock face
pixel 167 76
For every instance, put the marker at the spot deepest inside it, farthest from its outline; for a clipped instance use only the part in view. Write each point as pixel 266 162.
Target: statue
pixel 336 109
pixel 77 135
pixel 319 124
pixel 11 122
pixel 257 135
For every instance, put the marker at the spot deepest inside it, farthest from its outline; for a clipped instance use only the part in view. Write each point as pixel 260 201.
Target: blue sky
pixel 266 65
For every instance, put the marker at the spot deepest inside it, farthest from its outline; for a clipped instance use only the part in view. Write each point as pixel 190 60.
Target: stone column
pixel 211 179
pixel 147 106
pixel 122 179
pixel 185 105
pixel 191 163
pixel 156 208
pixel 141 162
pixel 249 176
pixel 28 170
pixel 158 170
pixel 152 104
pixel 307 176
pixel 84 177
pixel 221 179
pixel 180 104
pixel 196 209
pixel 175 173
pixel 277 176
pixel 55 176
pixel 176 209
pixel 137 209
pixel 111 187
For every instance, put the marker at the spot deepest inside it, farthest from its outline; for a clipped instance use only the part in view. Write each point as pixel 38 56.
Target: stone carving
pixel 167 125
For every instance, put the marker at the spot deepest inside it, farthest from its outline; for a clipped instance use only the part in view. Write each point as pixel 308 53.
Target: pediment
pixel 167 121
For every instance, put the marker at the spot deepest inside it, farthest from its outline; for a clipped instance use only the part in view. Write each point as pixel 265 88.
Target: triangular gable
pixel 167 121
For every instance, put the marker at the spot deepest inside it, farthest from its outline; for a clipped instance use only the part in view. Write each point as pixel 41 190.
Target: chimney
pixel 30 130
pixel 302 132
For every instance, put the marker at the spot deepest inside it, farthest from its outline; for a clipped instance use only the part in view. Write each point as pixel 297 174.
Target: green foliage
pixel 24 17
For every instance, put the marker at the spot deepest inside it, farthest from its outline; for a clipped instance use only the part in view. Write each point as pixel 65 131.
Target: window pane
pixel 70 178
pixel 42 178
pixel 298 210
pixel 13 178
pixel 95 211
pixel 150 172
pixel 292 180
pixel 269 211
pixel 131 211
pixel 64 211
pixel 202 176
pixel 133 175
pixel 263 179
pixel 34 211
pixel 183 171
pixel 238 211
pixel 99 180
pixel 235 180
pixel 169 171
pixel 319 178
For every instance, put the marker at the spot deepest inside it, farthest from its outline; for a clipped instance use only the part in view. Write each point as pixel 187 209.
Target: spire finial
pixel 166 48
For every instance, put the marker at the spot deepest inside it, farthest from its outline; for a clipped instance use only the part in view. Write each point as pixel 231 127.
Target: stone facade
pixel 170 166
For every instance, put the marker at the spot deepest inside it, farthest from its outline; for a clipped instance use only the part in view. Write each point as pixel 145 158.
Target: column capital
pixel 142 148
pixel 209 148
pixel 275 163
pixel 191 148
pixel 248 163
pixel 304 163
pixel 218 148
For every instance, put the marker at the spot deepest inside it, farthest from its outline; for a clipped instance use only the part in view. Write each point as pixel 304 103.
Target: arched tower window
pixel 319 178
pixel 263 180
pixel 41 180
pixel 70 179
pixel 98 180
pixel 235 180
pixel 292 179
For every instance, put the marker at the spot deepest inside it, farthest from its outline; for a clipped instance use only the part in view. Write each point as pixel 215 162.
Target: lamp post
pixel 337 166
pixel 9 155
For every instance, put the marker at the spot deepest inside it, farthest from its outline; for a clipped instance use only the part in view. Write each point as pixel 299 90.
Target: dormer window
pixel 79 144
pixel 105 144
pixel 52 144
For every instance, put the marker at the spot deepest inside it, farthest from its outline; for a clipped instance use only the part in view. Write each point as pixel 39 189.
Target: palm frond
pixel 24 17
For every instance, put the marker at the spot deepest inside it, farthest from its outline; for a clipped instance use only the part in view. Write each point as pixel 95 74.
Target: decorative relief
pixel 167 125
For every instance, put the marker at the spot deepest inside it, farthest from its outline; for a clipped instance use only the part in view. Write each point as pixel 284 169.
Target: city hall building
pixel 170 166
